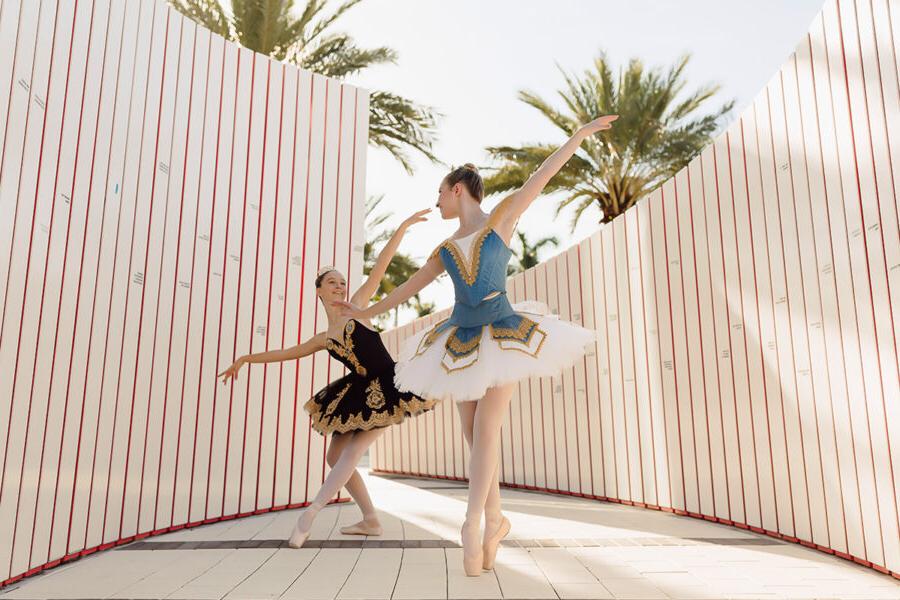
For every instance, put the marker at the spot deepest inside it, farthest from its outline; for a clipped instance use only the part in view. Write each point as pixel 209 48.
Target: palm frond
pixel 658 132
pixel 307 39
pixel 208 13
pixel 396 123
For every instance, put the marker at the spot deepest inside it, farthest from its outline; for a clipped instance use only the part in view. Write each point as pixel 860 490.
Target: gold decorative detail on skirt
pixel 410 405
pixel 429 338
pixel 522 333
pixel 459 348
pixel 374 395
pixel 337 399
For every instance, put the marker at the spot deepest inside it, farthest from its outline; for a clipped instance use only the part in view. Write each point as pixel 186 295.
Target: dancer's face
pixel 332 288
pixel 448 199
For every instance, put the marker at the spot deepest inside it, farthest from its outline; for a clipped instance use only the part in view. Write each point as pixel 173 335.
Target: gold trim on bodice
pixel 468 269
pixel 345 349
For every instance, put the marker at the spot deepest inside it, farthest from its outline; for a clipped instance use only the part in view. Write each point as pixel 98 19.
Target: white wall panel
pixel 166 198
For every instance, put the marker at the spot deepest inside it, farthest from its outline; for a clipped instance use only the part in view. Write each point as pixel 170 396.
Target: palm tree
pixel 400 268
pixel 305 39
pixel 526 254
pixel 658 132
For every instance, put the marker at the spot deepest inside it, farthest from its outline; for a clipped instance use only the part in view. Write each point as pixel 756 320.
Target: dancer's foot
pixel 473 554
pixel 303 526
pixel 368 526
pixel 298 538
pixel 494 532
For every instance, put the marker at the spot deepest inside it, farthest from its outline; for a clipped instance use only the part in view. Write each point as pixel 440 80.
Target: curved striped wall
pixel 748 368
pixel 165 201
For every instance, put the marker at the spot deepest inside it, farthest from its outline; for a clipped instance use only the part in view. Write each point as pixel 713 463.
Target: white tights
pixel 481 422
pixel 344 453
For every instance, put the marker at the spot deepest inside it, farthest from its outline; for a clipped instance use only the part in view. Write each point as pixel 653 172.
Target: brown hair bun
pixel 468 176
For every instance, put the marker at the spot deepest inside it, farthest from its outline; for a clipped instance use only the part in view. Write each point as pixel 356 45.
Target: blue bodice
pixel 479 284
pixel 480 272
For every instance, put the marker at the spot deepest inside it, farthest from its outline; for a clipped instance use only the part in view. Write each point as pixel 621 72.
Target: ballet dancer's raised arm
pixel 365 292
pixel 409 288
pixel 509 209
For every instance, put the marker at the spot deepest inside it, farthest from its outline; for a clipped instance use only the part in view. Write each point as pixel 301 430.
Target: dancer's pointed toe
pixel 492 542
pixel 473 554
pixel 298 538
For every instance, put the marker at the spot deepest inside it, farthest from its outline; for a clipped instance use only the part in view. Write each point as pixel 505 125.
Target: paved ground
pixel 559 547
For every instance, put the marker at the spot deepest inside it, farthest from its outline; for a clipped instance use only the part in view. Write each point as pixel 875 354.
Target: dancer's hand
pixel 416 217
pixel 599 124
pixel 348 309
pixel 232 371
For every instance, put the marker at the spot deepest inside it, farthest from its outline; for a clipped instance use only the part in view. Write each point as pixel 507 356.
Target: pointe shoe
pixel 298 538
pixel 492 542
pixel 303 526
pixel 473 554
pixel 362 528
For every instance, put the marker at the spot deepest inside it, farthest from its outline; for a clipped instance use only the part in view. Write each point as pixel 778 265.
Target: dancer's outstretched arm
pixel 511 208
pixel 364 294
pixel 409 288
pixel 313 344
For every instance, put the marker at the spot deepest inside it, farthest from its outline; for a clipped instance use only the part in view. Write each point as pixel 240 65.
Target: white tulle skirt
pixel 427 369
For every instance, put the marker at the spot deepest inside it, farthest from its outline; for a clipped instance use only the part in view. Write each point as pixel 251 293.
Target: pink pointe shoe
pixel 298 538
pixel 473 554
pixel 492 541
pixel 303 526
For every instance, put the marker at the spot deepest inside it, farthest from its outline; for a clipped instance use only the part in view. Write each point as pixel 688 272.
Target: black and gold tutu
pixel 366 397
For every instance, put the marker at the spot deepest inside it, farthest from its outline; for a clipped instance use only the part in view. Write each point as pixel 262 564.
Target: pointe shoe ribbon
pixel 491 543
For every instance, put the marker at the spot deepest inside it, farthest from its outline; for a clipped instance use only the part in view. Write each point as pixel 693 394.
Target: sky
pixel 468 60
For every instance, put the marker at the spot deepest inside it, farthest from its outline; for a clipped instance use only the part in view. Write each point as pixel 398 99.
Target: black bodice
pixel 361 350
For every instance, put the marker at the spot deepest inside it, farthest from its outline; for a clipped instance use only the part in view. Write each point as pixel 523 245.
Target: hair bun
pixel 471 167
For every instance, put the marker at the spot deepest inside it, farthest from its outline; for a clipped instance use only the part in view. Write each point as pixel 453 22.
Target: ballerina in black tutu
pixel 356 408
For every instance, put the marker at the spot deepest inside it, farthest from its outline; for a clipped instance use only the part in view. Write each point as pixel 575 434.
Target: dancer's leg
pixel 357 489
pixel 340 473
pixel 489 414
pixel 492 514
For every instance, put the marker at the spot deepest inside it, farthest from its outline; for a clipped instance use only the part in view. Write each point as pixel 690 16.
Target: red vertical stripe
pixel 161 253
pixel 209 259
pixel 262 410
pixel 744 329
pixel 564 260
pixel 712 311
pixel 287 263
pixel 62 291
pixel 27 265
pixel 89 345
pixel 190 303
pixel 855 311
pixel 646 357
pixel 137 361
pixel 312 85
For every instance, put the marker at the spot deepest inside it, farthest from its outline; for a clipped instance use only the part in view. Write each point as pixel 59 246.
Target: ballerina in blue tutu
pixel 486 345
